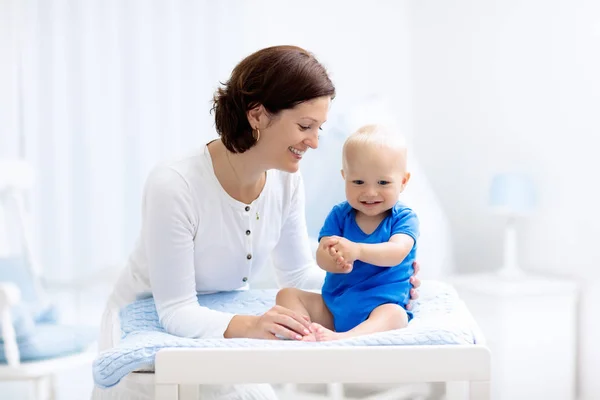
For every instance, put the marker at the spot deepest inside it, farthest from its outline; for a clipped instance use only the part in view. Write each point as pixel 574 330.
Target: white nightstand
pixel 530 326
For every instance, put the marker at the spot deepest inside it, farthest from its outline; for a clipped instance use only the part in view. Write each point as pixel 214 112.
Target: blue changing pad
pixel 439 318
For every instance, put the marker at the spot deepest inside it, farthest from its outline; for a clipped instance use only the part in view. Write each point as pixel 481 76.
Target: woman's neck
pixel 241 175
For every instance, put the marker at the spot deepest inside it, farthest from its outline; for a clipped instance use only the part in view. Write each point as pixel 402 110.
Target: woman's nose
pixel 312 140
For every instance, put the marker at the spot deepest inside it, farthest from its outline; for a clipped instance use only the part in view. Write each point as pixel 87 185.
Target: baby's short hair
pixel 376 135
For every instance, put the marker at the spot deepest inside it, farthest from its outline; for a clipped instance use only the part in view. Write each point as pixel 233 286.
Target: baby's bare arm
pixel 387 254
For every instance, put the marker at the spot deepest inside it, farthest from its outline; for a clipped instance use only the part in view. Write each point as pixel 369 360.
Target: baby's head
pixel 374 168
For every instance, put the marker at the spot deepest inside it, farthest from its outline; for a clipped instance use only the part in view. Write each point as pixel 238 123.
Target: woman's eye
pixel 305 128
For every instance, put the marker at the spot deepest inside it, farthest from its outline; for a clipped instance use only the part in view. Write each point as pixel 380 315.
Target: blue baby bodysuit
pixel 352 297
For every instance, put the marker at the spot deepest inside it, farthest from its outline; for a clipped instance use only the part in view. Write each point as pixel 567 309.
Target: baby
pixel 367 245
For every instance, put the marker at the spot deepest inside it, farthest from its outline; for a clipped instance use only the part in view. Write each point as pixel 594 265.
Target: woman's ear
pixel 256 116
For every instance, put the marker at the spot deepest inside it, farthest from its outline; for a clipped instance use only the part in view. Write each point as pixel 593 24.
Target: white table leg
pixel 480 390
pixel 166 392
pixel 289 389
pixel 457 390
pixel 335 391
pixel 41 388
pixel 189 392
pixel 52 388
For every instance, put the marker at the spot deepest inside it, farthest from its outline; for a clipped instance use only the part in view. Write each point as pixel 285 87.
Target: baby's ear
pixel 343 175
pixel 405 179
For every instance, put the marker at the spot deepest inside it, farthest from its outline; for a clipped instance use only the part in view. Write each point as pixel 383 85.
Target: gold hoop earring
pixel 257 136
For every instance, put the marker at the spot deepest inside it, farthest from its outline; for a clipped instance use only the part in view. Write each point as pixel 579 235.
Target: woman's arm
pixel 294 263
pixel 168 229
pixel 240 326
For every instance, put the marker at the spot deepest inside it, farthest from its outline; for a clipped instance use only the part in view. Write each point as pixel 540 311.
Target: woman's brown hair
pixel 279 78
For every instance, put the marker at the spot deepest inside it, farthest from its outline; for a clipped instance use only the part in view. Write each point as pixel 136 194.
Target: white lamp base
pixel 510 269
pixel 510 273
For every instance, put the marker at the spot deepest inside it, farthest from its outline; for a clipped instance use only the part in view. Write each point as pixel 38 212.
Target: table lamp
pixel 512 195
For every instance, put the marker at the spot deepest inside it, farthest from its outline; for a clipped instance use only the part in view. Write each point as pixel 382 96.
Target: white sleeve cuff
pixel 194 321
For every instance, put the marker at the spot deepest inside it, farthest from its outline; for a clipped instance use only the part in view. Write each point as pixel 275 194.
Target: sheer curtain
pixel 105 89
pixel 9 116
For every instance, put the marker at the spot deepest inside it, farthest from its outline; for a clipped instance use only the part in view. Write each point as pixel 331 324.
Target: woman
pixel 212 219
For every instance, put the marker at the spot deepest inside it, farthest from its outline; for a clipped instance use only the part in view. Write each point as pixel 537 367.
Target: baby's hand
pixel 342 266
pixel 350 251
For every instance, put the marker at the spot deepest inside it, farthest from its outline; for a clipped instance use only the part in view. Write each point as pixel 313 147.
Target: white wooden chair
pixel 28 359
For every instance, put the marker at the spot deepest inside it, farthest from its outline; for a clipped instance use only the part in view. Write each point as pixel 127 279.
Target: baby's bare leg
pixel 306 303
pixel 386 317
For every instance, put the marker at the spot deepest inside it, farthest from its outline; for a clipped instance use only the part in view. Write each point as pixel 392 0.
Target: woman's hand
pixel 280 322
pixel 277 323
pixel 415 282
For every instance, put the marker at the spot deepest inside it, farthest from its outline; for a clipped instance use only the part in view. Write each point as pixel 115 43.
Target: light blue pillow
pixel 22 321
pixel 39 337
pixel 32 307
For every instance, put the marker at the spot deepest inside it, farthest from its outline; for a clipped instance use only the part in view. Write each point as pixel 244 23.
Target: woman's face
pixel 284 138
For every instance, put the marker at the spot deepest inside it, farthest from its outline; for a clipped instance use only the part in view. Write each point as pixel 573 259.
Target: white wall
pixel 502 85
pixel 364 45
pixel 512 84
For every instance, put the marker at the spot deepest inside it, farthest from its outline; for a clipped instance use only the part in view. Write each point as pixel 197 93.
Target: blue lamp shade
pixel 512 193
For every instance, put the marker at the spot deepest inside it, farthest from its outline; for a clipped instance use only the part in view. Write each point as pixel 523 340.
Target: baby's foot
pixel 309 338
pixel 323 334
